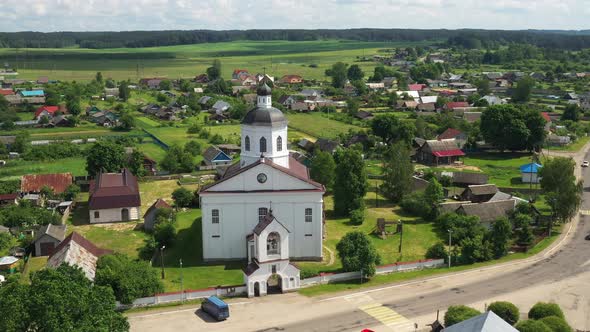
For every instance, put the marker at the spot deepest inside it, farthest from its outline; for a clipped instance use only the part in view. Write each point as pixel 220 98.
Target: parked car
pixel 585 163
pixel 216 308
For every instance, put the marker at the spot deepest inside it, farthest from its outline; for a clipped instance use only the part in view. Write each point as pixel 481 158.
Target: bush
pixel 543 309
pixel 182 197
pixel 556 324
pixel 505 310
pixel 458 313
pixel 357 252
pixel 147 251
pixel 532 326
pixel 357 216
pixel 415 204
pixel 164 233
pixel 437 251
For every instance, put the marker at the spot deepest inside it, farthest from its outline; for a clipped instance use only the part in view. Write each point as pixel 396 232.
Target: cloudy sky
pixel 115 15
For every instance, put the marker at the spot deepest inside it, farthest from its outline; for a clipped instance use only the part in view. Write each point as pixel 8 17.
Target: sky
pixel 124 15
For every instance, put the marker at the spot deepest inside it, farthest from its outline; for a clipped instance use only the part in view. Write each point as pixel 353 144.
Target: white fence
pixel 323 278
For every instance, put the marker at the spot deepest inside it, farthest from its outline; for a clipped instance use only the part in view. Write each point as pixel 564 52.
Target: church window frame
pixel 273 244
pixel 308 215
pixel 263 144
pixel 247 143
pixel 262 212
pixel 215 216
pixel 279 143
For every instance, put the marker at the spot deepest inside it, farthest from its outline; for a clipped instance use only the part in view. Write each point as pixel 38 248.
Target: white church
pixel 265 209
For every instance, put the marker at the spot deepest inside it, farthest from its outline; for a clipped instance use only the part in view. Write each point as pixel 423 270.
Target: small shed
pixel 48 238
pixel 8 264
pixel 149 218
pixel 530 173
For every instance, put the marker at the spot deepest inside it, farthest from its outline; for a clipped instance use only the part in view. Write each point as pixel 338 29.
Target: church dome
pixel 264 90
pixel 265 116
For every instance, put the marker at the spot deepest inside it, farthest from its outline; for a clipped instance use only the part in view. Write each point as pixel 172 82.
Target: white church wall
pixel 239 216
pixel 274 227
pixel 270 134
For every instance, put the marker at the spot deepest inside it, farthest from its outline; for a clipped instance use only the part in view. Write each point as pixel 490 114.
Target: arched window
pixel 273 244
pixel 247 143
pixel 262 212
pixel 279 143
pixel 262 144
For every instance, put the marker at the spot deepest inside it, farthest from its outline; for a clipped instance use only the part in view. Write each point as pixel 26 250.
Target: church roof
pixel 267 220
pixel 264 90
pixel 265 116
pixel 296 170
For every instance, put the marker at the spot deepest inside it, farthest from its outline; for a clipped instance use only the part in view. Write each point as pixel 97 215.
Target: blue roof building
pixel 32 93
pixel 530 173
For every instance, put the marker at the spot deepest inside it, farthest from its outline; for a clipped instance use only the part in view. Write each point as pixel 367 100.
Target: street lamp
pixel 401 234
pixel 181 284
pixel 162 260
pixel 450 244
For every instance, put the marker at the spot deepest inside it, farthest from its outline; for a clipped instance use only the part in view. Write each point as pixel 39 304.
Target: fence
pixel 156 139
pixel 225 291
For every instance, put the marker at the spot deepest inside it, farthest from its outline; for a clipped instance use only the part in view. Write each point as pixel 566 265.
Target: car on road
pixel 215 307
pixel 585 163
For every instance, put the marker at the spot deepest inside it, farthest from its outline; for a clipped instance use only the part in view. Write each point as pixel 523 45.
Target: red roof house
pixel 545 116
pixel 48 111
pixel 434 152
pixel 452 133
pixel 114 197
pixel 291 79
pixel 33 183
pixel 6 92
pixel 416 87
pixel 456 104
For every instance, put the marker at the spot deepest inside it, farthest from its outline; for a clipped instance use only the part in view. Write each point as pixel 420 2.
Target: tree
pixel 13 299
pixel 475 249
pixel 126 122
pixel 512 127
pixel 350 184
pixel 129 279
pixel 213 73
pixel 531 326
pixel 563 191
pixel 3 104
pixel 63 299
pixel 524 87
pixel 193 147
pixel 524 234
pixel 398 172
pixel 571 112
pixel 355 73
pixel 71 192
pixel 98 77
pixel 391 129
pixel 135 163
pixel 323 169
pixel 165 233
pixel 177 160
pixel 544 309
pixel 73 106
pixel 338 73
pixel 483 87
pixel 357 252
pixel 434 193
pixel 357 217
pixel 437 251
pixel 500 234
pixel 505 310
pixel 124 91
pixel 105 156
pixel 352 106
pixel 182 197
pixel 556 324
pixel 458 313
pixel 165 85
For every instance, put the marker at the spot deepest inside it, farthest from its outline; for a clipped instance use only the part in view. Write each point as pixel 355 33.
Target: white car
pixel 585 163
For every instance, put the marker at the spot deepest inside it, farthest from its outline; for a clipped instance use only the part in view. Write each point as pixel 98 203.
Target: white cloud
pixel 101 15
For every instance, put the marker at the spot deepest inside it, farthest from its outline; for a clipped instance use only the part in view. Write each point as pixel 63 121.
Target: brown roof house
pixel 77 251
pixel 114 197
pixel 149 218
pixel 479 193
pixel 48 238
pixel 488 212
pixel 436 152
pixel 33 183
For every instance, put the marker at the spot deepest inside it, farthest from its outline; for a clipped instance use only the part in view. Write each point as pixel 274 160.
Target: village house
pixel 435 152
pixel 202 78
pixel 426 107
pixel 326 145
pixel 31 93
pixel 47 238
pixel 239 74
pixel 463 179
pixel 8 199
pixel 479 193
pixel 529 173
pixel 49 111
pixel 291 79
pixel 455 104
pixel 220 106
pixel 76 250
pixel 364 115
pixel 486 322
pixel 213 156
pixel 488 212
pixel 114 197
pixel 151 83
pixel 149 218
pixel 33 183
pixel 458 136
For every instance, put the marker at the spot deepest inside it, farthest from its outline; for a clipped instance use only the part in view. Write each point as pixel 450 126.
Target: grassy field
pixel 576 146
pixel 278 57
pixel 318 125
pixel 14 169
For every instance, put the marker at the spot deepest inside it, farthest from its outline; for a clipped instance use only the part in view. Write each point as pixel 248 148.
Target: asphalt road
pixel 569 261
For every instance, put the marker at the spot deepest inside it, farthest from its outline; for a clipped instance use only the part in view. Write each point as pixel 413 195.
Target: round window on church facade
pixel 261 178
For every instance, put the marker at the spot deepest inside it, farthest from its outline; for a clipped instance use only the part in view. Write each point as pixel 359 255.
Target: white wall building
pixel 266 182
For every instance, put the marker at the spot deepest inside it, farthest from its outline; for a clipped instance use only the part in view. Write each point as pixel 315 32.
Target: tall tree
pixel 563 191
pixel 350 184
pixel 511 127
pixel 98 77
pixel 398 171
pixel 571 112
pixel 499 236
pixel 357 252
pixel 355 73
pixel 483 86
pixel 106 156
pixel 124 91
pixel 323 169
pixel 523 90
pixel 391 129
pixel 338 72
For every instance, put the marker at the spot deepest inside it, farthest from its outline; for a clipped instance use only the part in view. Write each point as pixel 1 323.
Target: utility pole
pixel 181 284
pixel 376 192
pixel 162 260
pixel 361 276
pixel 450 247
pixel 401 235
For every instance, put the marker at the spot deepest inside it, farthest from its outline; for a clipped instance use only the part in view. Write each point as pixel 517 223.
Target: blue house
pixel 32 93
pixel 213 156
pixel 529 173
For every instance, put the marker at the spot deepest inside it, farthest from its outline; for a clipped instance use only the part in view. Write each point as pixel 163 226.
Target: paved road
pixel 561 275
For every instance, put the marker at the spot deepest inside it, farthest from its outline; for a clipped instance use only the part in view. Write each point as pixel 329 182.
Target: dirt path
pixel 331 261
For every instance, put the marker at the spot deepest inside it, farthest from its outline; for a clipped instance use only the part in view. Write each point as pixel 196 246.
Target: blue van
pixel 215 307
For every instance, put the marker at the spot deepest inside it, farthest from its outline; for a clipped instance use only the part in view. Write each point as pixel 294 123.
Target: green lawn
pixel 33 265
pixel 318 125
pixel 575 146
pixel 503 169
pixel 153 150
pixel 145 122
pixel 14 169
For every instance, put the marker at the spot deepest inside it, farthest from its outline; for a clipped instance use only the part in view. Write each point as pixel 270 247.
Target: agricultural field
pixel 307 58
pixel 318 125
